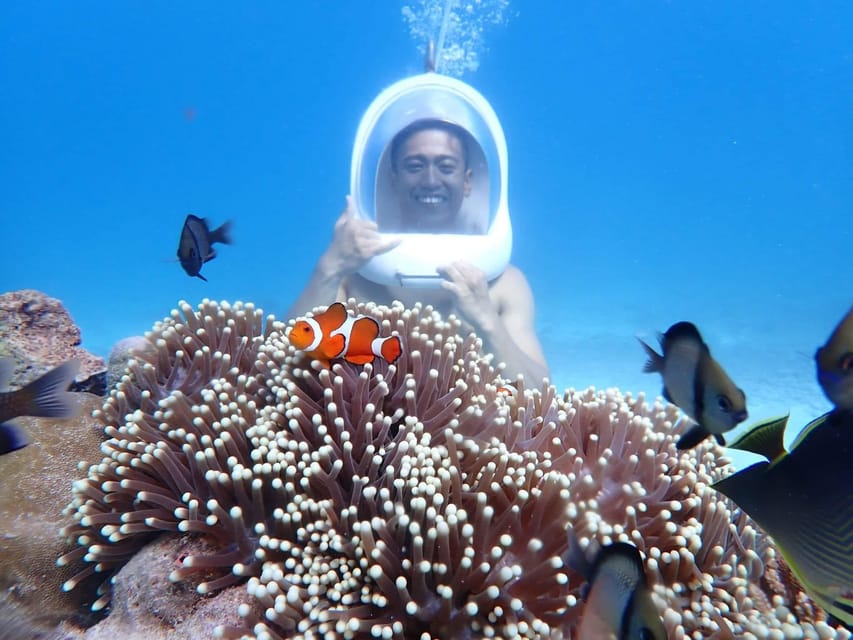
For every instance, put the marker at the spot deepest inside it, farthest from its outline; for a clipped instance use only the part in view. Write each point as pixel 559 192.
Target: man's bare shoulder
pixel 511 278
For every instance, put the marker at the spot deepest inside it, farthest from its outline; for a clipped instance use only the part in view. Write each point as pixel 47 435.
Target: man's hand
pixel 470 289
pixel 354 242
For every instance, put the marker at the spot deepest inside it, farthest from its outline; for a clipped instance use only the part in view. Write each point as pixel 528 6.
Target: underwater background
pixel 668 161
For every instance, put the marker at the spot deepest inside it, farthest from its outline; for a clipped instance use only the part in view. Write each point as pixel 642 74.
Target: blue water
pixel 668 161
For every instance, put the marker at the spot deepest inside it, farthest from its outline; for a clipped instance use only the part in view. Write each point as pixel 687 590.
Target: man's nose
pixel 431 177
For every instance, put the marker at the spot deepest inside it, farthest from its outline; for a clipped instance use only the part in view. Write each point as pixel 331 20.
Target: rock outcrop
pixel 35 482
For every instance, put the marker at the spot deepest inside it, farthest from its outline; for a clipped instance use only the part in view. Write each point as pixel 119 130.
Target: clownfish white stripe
pixel 344 330
pixel 317 332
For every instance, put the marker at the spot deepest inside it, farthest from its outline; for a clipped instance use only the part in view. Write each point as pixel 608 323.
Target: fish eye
pixel 845 363
pixel 724 403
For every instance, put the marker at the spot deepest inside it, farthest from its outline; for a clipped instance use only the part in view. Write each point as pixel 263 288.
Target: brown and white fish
pixel 196 244
pixel 618 599
pixel 694 381
pixel 45 397
pixel 835 364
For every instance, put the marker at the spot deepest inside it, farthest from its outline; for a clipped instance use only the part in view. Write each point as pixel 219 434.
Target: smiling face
pixel 431 178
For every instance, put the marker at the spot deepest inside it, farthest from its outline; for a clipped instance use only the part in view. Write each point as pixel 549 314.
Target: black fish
pixel 196 245
pixel 45 397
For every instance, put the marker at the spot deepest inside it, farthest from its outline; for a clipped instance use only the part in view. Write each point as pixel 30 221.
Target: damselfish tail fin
pixel 221 234
pixel 48 396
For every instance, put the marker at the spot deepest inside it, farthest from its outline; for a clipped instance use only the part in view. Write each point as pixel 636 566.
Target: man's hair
pixel 426 125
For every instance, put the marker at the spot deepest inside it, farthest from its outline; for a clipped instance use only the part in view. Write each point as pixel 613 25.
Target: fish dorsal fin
pixel 682 330
pixel 332 318
pixel 655 361
pixel 766 438
pixel 811 426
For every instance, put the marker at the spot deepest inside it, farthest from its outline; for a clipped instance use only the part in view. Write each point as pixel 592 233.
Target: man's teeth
pixel 431 199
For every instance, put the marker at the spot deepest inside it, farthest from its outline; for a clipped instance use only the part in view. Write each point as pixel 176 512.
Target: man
pixel 431 178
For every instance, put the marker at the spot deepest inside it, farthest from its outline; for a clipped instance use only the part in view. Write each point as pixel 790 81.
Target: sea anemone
pixel 418 499
pixel 175 424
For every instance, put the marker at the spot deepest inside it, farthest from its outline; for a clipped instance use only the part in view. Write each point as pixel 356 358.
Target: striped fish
pixel 804 499
pixel 335 334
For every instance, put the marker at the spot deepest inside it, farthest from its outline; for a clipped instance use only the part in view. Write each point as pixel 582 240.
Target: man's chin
pixel 432 222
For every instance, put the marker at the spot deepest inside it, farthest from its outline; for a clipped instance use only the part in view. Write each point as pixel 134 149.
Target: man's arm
pixel 514 340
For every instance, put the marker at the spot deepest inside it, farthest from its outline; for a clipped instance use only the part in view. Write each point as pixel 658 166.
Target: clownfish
pixel 508 390
pixel 835 364
pixel 694 381
pixel 336 334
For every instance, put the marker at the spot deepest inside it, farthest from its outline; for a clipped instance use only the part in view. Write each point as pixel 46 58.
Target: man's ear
pixel 469 175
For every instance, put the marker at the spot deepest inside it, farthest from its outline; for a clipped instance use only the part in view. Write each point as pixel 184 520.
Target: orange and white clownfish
pixel 509 390
pixel 336 334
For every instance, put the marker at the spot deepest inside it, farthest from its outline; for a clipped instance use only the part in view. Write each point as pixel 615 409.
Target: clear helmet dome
pixel 481 232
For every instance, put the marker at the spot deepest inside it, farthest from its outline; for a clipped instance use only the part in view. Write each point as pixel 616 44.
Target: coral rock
pixel 38 332
pixel 148 606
